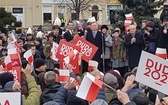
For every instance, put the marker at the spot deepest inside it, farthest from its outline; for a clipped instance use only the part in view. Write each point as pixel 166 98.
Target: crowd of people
pixel 118 56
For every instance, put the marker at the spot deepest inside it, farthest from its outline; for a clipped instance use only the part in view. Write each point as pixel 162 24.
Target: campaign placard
pixel 88 50
pixel 153 72
pixel 64 48
pixel 10 98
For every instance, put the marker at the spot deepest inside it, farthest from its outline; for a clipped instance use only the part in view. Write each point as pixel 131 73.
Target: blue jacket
pixel 60 96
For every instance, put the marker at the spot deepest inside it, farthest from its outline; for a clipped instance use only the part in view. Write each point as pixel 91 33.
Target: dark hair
pixel 29 46
pixel 70 22
pixel 19 41
pixel 6 77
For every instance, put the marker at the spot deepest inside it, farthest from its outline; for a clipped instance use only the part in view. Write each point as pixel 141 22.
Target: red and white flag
pixel 29 56
pixel 92 64
pixel 127 23
pixel 8 62
pixel 129 16
pixel 71 55
pixel 161 52
pixel 63 76
pixel 89 88
pixel 12 44
pixel 54 51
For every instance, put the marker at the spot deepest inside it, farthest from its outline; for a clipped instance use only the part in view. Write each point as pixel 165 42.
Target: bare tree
pixel 79 5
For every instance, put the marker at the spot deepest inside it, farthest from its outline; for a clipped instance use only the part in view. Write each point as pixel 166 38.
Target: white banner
pixel 10 98
pixel 153 72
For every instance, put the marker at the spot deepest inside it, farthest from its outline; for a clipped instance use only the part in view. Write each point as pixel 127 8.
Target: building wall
pixel 32 12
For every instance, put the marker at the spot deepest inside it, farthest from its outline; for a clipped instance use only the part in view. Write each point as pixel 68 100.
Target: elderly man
pixel 53 86
pixel 134 43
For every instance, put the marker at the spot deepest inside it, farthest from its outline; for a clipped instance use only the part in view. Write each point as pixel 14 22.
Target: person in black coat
pixel 68 36
pixel 163 34
pixel 95 37
pixel 150 37
pixel 51 89
pixel 57 34
pixel 134 43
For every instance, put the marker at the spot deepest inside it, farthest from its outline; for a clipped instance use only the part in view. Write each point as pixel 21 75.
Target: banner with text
pixel 153 72
pixel 88 50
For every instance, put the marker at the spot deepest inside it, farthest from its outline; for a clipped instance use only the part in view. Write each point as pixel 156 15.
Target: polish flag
pixel 129 16
pixel 54 51
pixel 92 64
pixel 13 52
pixel 29 56
pixel 12 44
pixel 127 23
pixel 8 63
pixel 89 88
pixel 161 52
pixel 63 76
pixel 71 55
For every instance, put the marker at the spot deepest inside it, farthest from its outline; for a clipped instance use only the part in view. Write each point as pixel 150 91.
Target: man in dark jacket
pixel 95 37
pixel 68 36
pixel 134 43
pixel 51 89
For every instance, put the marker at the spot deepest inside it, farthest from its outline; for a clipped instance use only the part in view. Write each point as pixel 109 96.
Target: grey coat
pixel 108 45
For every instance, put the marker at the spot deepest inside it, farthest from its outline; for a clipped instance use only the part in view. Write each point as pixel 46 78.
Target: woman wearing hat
pixel 108 45
pixel 150 37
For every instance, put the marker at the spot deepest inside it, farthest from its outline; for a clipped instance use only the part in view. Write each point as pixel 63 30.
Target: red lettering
pixel 164 78
pixel 155 75
pixel 156 67
pixel 149 63
pixel 7 102
pixel 165 69
pixel 148 71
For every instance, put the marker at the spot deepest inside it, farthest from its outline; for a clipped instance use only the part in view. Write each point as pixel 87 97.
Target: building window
pixel 111 9
pixel 61 10
pixel 47 14
pixel 18 13
pixel 95 11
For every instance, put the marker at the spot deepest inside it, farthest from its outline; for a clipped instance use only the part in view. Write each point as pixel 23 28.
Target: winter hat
pixel 39 34
pixel 141 99
pixel 150 24
pixel 104 27
pixel 51 103
pixel 99 102
pixel 39 62
pixel 128 74
pixel 116 31
pixel 9 84
pixel 110 79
